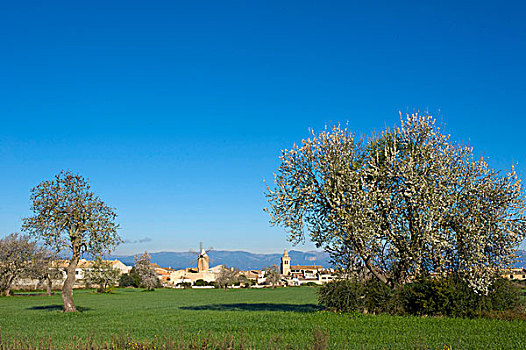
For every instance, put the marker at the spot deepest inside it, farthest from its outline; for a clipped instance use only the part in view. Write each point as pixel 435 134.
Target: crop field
pixel 269 318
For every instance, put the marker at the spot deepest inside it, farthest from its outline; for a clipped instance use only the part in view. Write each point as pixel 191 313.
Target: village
pixel 203 276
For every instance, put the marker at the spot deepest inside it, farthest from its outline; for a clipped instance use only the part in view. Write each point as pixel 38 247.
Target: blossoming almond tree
pixel 145 270
pixel 20 258
pixel 101 274
pixel 405 203
pixel 69 218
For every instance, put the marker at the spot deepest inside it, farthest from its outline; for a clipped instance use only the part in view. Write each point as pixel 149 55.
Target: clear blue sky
pixel 176 112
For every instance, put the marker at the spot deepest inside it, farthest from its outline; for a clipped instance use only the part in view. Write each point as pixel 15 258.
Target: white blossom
pixel 405 203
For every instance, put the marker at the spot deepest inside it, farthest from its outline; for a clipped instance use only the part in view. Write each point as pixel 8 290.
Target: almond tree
pixel 145 270
pixel 405 203
pixel 19 257
pixel 226 277
pixel 69 218
pixel 102 274
pixel 272 276
pixel 46 269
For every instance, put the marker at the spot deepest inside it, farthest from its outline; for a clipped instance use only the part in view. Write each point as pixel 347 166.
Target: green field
pixel 279 318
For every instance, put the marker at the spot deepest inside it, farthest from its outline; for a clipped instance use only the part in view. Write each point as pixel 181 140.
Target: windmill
pixel 203 260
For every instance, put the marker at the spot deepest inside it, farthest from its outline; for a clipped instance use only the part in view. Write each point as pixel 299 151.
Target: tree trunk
pixel 7 291
pixel 49 285
pixel 376 273
pixel 67 289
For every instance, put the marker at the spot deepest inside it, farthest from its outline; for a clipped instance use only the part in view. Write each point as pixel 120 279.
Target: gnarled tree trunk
pixel 49 285
pixel 7 290
pixel 67 289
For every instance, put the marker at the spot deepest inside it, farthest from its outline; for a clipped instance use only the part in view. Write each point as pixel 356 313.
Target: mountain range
pixel 239 259
pixel 251 261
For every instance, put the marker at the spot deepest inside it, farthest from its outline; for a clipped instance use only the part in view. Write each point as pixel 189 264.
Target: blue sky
pixel 176 112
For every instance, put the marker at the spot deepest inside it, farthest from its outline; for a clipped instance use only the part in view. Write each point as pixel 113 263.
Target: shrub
pixel 310 284
pixel 341 295
pixel 201 283
pixel 449 296
pixel 434 297
pixel 246 282
pixel 130 280
pixel 504 295
pixel 379 298
pixel 452 296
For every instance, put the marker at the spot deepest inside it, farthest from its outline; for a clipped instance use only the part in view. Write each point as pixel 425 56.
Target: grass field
pixel 279 318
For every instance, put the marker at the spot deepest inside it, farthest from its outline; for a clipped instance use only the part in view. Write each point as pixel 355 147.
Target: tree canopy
pixel 272 275
pixel 101 274
pixel 145 270
pixel 407 202
pixel 227 277
pixel 20 258
pixel 70 218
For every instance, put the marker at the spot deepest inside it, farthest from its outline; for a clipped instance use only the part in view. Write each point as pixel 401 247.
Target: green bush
pixel 130 280
pixel 379 298
pixel 201 283
pixel 435 297
pixel 247 283
pixel 350 295
pixel 453 297
pixel 426 296
pixel 505 295
pixel 341 296
pixel 310 284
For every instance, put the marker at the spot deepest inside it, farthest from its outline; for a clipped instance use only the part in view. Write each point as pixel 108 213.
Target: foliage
pixel 102 274
pixel 453 297
pixel 185 285
pixel 272 275
pixel 69 218
pixel 131 279
pixel 48 271
pixel 243 281
pixel 227 277
pixel 146 272
pixel 20 258
pixel 346 295
pixel 283 318
pixel 310 284
pixel 409 202
pixel 201 283
pixel 449 296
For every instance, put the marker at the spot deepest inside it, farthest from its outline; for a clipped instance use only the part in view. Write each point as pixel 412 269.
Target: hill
pixel 247 261
pixel 239 259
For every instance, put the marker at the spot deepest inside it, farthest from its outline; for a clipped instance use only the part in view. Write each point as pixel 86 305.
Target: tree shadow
pixel 56 308
pixel 256 307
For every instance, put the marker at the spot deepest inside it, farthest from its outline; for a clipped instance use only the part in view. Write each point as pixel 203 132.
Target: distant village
pixel 204 276
pixel 200 276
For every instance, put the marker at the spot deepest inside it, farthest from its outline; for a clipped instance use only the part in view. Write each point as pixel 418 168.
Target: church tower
pixel 285 263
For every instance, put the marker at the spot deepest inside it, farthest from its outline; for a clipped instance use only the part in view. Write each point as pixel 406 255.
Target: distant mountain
pixel 239 259
pixel 248 261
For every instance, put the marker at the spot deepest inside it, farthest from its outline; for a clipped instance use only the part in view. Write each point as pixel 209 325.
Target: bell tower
pixel 285 263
